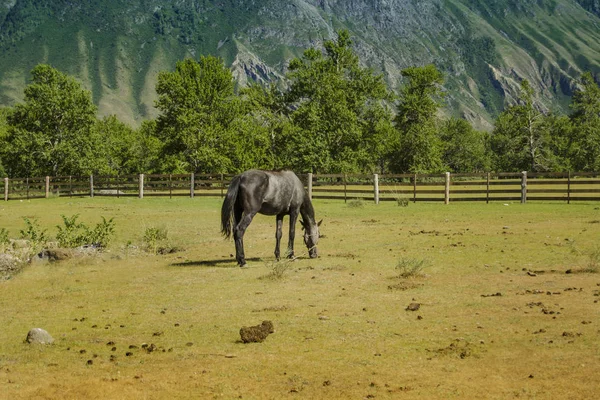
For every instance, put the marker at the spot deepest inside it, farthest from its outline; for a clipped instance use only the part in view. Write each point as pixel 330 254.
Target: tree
pixel 464 148
pixel 417 147
pixel 521 138
pixel 118 146
pixel 51 132
pixel 3 134
pixel 197 105
pixel 146 150
pixel 584 144
pixel 337 109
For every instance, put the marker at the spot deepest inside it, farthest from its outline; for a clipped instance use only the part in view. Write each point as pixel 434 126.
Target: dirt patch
pixel 459 348
pixel 405 285
pixel 257 333
pixel 273 309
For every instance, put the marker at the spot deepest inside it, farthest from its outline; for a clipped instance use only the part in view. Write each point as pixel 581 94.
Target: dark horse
pixel 269 193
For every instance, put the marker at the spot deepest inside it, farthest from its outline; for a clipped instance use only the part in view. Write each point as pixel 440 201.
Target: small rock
pixel 413 307
pixel 40 336
pixel 56 254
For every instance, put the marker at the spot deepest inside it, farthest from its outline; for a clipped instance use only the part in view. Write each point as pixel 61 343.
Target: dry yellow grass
pixel 341 328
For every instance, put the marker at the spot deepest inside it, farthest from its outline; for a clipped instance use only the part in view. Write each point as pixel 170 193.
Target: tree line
pixel 333 115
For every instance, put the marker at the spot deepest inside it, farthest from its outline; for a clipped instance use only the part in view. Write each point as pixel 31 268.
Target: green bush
pixel 356 203
pixel 103 232
pixel 278 269
pixel 411 267
pixel 34 234
pixel 4 241
pixel 154 238
pixel 74 234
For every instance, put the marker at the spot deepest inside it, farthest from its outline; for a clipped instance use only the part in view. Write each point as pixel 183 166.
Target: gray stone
pixel 40 336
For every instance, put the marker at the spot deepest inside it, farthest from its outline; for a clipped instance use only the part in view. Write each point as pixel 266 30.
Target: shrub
pixel 593 261
pixel 4 240
pixel 102 234
pixel 34 234
pixel 411 267
pixel 278 269
pixel 154 237
pixel 402 201
pixel 75 234
pixel 356 203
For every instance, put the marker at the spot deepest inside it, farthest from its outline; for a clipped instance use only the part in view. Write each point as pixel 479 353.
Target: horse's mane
pixel 307 210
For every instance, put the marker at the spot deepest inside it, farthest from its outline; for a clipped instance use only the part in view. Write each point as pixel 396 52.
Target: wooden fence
pixel 446 188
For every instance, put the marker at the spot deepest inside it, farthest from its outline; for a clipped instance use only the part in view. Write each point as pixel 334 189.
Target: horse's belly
pixel 267 209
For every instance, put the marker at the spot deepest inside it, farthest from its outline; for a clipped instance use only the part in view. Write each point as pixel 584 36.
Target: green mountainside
pixel 485 48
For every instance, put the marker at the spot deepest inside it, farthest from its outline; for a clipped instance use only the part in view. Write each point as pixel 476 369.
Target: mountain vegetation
pixel 483 48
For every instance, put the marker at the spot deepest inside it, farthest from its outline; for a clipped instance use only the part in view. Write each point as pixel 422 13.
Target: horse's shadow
pixel 222 263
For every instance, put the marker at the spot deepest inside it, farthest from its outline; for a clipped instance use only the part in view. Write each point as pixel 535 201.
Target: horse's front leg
pixel 238 237
pixel 293 218
pixel 278 227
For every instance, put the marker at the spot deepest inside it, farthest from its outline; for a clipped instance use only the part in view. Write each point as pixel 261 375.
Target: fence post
pixel 5 189
pixel 47 186
pixel 523 187
pixel 192 184
pixel 92 186
pixel 376 188
pixel 222 184
pixel 345 190
pixel 415 189
pixel 141 186
pixel 447 189
pixel 569 188
pixel 487 189
pixel 309 184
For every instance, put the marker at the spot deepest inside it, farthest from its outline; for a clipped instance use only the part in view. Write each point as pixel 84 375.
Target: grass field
pixel 499 316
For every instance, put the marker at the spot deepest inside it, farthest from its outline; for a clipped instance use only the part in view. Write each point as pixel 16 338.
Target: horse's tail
pixel 227 210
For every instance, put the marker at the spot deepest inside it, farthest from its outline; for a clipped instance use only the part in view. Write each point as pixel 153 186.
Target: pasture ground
pixel 499 316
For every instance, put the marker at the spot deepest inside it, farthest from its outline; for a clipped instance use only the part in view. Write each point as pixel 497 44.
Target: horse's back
pixel 271 192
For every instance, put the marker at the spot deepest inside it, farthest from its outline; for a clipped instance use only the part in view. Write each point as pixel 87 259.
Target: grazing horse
pixel 277 193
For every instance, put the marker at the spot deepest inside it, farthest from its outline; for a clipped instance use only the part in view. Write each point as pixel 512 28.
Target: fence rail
pixel 521 187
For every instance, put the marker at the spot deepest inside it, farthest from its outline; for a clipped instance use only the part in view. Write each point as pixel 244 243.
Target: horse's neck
pixel 307 211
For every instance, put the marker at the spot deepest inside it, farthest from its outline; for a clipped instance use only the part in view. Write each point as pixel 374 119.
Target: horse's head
pixel 311 237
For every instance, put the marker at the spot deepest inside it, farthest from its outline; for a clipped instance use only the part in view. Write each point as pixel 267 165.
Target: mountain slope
pixel 484 47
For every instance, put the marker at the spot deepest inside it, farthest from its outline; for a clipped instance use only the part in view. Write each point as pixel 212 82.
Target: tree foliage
pixel 202 119
pixel 464 149
pixel 338 111
pixel 3 134
pixel 584 143
pixel 51 132
pixel 417 147
pixel 522 136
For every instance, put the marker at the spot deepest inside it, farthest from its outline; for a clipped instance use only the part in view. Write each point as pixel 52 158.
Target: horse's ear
pixel 319 223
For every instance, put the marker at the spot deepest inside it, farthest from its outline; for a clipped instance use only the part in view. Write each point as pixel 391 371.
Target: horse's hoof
pixel 243 265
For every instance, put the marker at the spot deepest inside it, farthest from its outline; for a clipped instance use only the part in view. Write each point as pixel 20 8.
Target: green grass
pixel 341 329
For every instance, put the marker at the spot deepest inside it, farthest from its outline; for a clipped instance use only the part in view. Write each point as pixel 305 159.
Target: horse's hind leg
pixel 278 235
pixel 238 237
